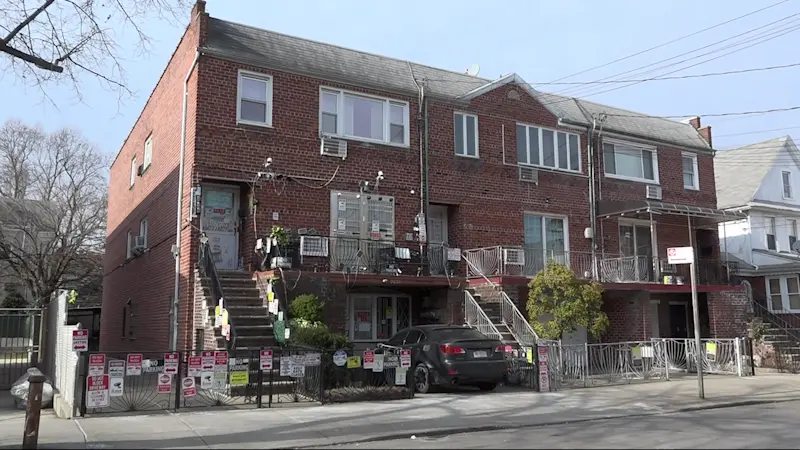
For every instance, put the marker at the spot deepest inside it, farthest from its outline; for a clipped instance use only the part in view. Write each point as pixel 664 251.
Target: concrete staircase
pixel 247 311
pixel 491 303
pixel 786 346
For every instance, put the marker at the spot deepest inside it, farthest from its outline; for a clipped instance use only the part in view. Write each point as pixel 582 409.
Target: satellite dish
pixel 474 70
pixel 796 246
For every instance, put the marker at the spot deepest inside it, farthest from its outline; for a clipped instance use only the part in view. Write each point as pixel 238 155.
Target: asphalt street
pixel 760 426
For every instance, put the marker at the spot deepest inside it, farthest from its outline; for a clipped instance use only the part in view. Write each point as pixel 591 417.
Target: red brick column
pixel 727 313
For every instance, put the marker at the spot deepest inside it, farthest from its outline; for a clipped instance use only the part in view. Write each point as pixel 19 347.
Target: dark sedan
pixel 448 355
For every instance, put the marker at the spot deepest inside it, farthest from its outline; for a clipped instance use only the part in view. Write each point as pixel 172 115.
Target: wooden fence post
pixel 35 388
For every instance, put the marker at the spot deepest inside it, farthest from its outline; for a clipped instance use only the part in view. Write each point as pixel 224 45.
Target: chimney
pixel 199 17
pixel 705 133
pixel 198 8
pixel 693 121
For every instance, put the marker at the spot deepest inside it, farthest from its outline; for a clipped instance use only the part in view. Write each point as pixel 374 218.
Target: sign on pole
pixel 680 255
pixel 266 359
pixel 80 340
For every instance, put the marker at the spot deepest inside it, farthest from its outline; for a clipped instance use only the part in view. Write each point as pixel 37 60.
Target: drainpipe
pixel 592 207
pixel 422 158
pixel 179 214
pixel 427 167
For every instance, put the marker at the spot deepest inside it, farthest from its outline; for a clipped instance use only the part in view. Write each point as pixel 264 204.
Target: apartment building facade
pixel 764 244
pixel 399 185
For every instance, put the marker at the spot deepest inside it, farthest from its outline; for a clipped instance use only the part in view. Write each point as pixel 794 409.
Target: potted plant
pixel 280 241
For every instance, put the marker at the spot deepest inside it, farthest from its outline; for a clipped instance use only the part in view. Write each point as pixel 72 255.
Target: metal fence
pixel 19 343
pixel 116 382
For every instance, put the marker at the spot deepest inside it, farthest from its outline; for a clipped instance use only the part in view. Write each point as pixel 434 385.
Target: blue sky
pixel 542 41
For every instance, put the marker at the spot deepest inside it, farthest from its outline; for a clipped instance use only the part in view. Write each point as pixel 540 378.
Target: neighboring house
pixel 336 146
pixel 763 181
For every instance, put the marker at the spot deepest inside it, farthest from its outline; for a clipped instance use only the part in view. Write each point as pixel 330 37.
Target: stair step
pixel 237 283
pixel 253 330
pixel 250 342
pixel 231 300
pixel 238 291
pixel 234 274
pixel 252 320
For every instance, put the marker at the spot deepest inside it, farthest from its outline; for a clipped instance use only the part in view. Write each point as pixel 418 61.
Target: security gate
pixel 19 343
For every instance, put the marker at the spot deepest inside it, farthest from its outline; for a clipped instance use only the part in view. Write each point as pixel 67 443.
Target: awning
pixel 642 209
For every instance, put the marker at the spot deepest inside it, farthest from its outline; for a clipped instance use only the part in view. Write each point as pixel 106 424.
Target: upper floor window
pixel 466 131
pixel 630 162
pixel 143 230
pixel 548 148
pixel 792 232
pixel 148 152
pixel 133 171
pixel 784 294
pixel 129 245
pixel 691 180
pixel 786 176
pixel 771 242
pixel 363 117
pixel 254 99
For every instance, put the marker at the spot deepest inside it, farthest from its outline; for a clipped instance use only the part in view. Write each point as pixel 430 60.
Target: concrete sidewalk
pixel 427 414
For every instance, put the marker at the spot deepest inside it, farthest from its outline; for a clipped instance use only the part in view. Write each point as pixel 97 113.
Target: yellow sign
pixel 353 362
pixel 240 378
pixel 636 352
pixel 711 348
pixel 270 296
pixel 529 355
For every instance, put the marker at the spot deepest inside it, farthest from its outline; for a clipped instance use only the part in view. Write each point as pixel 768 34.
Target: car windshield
pixel 457 334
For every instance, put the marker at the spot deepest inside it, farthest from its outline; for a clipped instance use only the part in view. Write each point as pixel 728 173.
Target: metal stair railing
pixel 475 317
pixel 776 321
pixel 512 317
pixel 207 268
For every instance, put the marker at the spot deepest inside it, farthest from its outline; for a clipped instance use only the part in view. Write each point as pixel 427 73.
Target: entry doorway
pixel 219 220
pixel 679 320
pixel 636 249
pixel 376 317
pixel 437 238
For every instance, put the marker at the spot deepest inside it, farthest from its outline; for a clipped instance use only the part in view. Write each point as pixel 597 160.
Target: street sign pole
pixel 697 342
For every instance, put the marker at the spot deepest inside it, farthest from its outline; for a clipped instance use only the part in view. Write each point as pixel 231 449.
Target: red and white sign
pixel 220 361
pixel 97 395
pixel 405 358
pixel 189 390
pixel 134 367
pixel 97 365
pixel 80 340
pixel 544 371
pixel 266 359
pixel 207 361
pixel 369 359
pixel 195 364
pixel 164 384
pixel 171 363
pixel 680 255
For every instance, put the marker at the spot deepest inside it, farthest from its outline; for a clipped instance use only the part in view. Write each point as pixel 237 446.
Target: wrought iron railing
pixel 476 318
pixel 774 319
pixel 208 269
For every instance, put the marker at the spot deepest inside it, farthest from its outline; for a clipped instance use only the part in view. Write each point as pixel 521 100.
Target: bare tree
pixel 52 207
pixel 62 40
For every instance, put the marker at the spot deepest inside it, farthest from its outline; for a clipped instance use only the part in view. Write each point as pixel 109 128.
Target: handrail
pixel 517 325
pixel 762 312
pixel 476 317
pixel 208 268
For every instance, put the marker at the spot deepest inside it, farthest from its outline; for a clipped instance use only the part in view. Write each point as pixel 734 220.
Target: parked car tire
pixel 487 386
pixel 422 379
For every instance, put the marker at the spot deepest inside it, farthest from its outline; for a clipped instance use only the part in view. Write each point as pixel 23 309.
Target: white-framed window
pixel 254 99
pixel 143 230
pixel 537 146
pixel 148 152
pixel 466 134
pixel 792 232
pixel 784 293
pixel 691 179
pixel 546 232
pixel 363 117
pixel 129 245
pixel 630 161
pixel 133 171
pixel 772 243
pixel 374 317
pixel 786 177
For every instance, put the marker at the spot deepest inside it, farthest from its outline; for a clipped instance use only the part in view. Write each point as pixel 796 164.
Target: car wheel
pixel 422 382
pixel 487 386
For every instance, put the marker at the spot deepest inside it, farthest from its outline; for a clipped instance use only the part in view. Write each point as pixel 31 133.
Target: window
pixel 128 329
pixel 148 152
pixel 786 176
pixel 784 294
pixel 792 233
pixel 549 233
pixel 254 102
pixel 378 317
pixel 128 248
pixel 143 230
pixel 626 161
pixel 690 176
pixel 771 243
pixel 547 148
pixel 413 337
pixel 363 117
pixel 133 171
pixel 466 130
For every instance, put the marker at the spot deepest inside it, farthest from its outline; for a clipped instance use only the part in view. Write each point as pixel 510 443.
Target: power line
pixel 670 42
pixel 739 113
pixel 755 132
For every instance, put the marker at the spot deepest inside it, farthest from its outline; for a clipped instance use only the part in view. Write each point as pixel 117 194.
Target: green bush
pixel 307 308
pixel 14 300
pixel 319 336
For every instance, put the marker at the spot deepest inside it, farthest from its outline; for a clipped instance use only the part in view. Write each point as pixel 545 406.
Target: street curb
pixel 484 428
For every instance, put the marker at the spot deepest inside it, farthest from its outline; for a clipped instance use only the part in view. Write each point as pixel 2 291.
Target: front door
pixel 636 249
pixel 437 237
pixel 678 320
pixel 219 220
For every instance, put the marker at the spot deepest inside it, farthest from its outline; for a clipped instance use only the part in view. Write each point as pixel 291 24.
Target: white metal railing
pixel 476 318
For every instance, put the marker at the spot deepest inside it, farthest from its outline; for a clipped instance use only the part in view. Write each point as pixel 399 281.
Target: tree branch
pixel 33 59
pixel 27 21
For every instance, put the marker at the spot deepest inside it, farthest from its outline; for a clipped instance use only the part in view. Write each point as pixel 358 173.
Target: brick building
pixel 400 185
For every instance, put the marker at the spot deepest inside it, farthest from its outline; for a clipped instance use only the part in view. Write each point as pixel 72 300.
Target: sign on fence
pixel 188 387
pixel 134 364
pixel 116 368
pixel 369 359
pixel 195 364
pixel 171 363
pixel 97 364
pixel 80 340
pixel 164 384
pixel 117 387
pixel 544 374
pixel 97 391
pixel 405 358
pixel 207 360
pixel 266 359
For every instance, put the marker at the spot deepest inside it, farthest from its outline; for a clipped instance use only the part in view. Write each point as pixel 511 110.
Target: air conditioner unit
pixel 528 175
pixel 333 147
pixel 140 170
pixel 138 245
pixel 313 246
pixel 514 256
pixel 653 192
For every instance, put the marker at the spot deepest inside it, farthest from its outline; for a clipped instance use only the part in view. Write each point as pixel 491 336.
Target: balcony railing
pixel 368 256
pixel 529 261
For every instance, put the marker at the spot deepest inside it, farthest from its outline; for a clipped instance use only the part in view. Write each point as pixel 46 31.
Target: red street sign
pixel 80 340
pixel 171 363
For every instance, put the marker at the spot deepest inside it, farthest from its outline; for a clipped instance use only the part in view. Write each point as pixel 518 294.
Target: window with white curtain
pixel 364 117
pixel 630 162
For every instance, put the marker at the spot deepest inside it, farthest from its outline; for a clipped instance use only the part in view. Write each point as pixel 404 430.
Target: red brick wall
pixel 629 314
pixel 727 313
pixel 148 280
